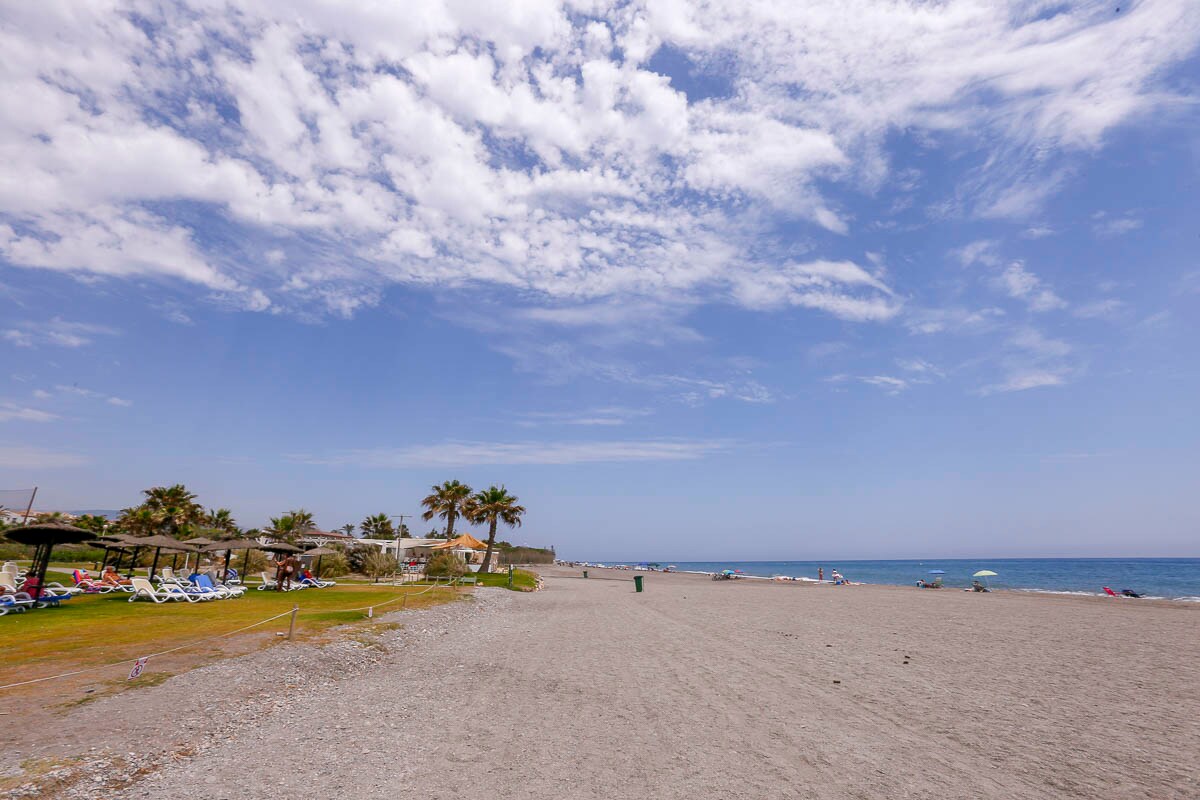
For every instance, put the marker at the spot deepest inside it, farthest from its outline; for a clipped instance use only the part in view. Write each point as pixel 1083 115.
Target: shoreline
pixel 999 586
pixel 614 573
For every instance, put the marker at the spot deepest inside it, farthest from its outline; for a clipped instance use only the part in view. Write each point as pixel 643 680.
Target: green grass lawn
pixel 96 629
pixel 523 580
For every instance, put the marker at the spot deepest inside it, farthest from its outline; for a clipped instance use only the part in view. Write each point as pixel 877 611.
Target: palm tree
pixel 377 526
pixel 91 522
pixel 292 524
pixel 347 529
pixel 447 501
pixel 174 509
pixel 221 519
pixel 493 505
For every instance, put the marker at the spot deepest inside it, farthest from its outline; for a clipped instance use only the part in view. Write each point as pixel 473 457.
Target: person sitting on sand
pixel 1129 593
pixel 976 586
pixel 837 578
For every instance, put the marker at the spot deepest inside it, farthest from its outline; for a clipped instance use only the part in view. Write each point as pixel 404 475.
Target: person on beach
pixel 111 577
pixel 820 573
pixel 285 569
pixel 837 578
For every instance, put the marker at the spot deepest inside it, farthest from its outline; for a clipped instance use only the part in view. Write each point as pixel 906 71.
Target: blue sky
pixel 756 281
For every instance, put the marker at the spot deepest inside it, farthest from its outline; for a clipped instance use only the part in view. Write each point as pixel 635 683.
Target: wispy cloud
pixel 604 417
pixel 11 412
pixel 1107 227
pixel 462 453
pixel 1021 381
pixel 56 332
pixel 74 390
pixel 892 385
pixel 1106 308
pixel 1021 284
pixel 26 458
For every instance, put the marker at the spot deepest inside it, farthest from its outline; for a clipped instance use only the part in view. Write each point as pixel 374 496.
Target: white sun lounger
pixel 165 593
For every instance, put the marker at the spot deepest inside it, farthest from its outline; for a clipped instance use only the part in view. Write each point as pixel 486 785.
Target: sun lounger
pixel 205 583
pixel 316 583
pixel 18 601
pixel 165 593
pixel 1110 592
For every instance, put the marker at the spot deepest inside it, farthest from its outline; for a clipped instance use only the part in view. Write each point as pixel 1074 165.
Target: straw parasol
pixel 44 536
pixel 160 543
pixel 228 546
pixel 281 547
pixel 320 552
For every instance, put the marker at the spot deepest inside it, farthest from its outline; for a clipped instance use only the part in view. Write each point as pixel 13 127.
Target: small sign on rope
pixel 138 666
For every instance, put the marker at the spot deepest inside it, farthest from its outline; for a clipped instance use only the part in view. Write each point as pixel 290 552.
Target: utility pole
pixel 399 531
pixel 29 507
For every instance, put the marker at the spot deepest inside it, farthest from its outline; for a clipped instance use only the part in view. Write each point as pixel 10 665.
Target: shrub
pixel 378 563
pixel 445 565
pixel 333 566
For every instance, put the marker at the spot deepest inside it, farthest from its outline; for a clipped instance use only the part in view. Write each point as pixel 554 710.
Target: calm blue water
pixel 1173 578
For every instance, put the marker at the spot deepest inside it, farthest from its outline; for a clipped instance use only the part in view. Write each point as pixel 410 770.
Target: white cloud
pixel 982 251
pixel 1021 381
pixel 890 384
pixel 1021 284
pixel 345 148
pixel 1107 227
pixel 919 366
pixel 1099 309
pixel 18 457
pixel 10 412
pixel 609 416
pixel 56 332
pixel 460 454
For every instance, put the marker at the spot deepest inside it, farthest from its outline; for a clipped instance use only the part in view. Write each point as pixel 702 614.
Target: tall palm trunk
pixel 450 515
pixel 487 557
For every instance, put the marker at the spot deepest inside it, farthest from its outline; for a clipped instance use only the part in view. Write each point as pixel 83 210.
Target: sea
pixel 1164 578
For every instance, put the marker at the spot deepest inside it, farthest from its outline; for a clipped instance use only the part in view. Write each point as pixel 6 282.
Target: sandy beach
pixel 697 688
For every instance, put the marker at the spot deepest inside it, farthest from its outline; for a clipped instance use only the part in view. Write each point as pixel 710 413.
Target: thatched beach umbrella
pixel 160 543
pixel 320 552
pixel 228 546
pixel 281 547
pixel 112 542
pixel 199 543
pixel 44 537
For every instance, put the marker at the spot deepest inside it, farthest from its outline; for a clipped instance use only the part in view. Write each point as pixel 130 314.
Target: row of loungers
pixel 270 584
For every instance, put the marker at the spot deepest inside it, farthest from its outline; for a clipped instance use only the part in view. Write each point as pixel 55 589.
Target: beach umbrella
pixel 281 547
pixel 200 542
pixel 229 545
pixel 44 537
pixel 160 543
pixel 985 574
pixel 320 552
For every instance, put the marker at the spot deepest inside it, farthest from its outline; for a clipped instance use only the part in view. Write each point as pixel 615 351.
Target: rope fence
pixel 293 612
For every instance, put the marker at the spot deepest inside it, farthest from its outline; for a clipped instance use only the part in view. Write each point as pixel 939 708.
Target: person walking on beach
pixel 820 573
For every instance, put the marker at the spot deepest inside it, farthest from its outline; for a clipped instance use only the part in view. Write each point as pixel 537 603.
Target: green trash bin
pixel 637 582
pixel 585 573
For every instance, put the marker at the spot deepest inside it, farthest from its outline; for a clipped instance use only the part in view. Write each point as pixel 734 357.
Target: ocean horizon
pixel 1159 578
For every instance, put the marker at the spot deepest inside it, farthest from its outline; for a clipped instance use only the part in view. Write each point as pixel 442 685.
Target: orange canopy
pixel 465 541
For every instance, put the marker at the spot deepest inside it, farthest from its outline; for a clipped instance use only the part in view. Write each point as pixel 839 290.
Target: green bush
pixel 445 564
pixel 378 563
pixel 333 566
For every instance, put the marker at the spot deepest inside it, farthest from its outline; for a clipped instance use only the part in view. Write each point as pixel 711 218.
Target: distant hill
pixel 107 513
